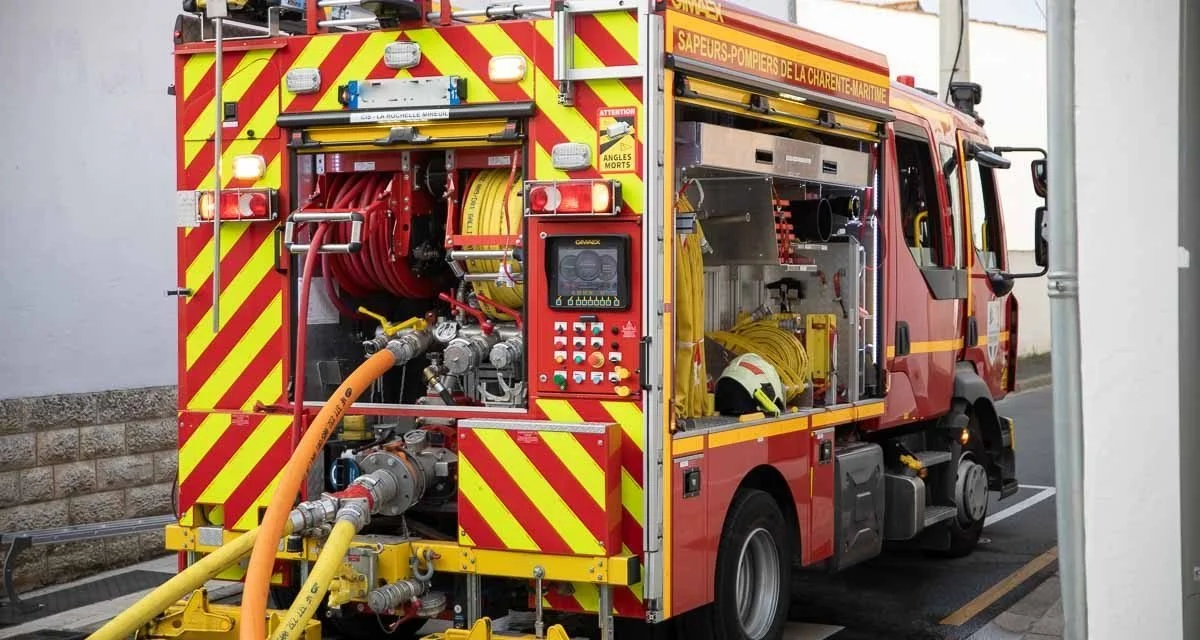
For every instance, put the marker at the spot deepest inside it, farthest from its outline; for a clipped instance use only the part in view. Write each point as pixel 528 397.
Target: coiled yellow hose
pixel 691 375
pixel 483 214
pixel 777 345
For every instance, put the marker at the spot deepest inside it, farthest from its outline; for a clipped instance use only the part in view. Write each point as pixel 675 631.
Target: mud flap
pixel 1005 460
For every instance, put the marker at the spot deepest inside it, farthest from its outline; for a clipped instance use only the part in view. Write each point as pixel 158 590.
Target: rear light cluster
pixel 238 204
pixel 574 197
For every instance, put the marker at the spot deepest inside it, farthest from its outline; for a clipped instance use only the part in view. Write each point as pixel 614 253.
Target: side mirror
pixel 1041 238
pixel 1002 283
pixel 1038 169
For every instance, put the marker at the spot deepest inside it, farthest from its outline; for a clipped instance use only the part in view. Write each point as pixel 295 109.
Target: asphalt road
pixel 905 595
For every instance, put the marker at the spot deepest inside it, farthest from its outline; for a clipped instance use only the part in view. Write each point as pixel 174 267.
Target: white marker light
pixel 571 156
pixel 251 168
pixel 402 55
pixel 793 97
pixel 302 81
pixel 507 69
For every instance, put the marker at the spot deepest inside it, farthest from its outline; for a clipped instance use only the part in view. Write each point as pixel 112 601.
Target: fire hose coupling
pixel 314 514
pixel 409 346
pixel 356 511
pixel 393 596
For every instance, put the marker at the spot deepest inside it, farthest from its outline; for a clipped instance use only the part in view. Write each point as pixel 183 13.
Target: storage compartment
pixel 905 506
pixel 860 505
pixel 517 491
pixel 715 147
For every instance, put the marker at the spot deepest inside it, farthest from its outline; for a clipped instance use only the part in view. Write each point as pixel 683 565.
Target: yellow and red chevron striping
pixel 230 462
pixel 561 490
pixel 243 362
pixel 627 601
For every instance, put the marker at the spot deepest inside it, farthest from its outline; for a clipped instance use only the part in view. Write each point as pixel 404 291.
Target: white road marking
pixel 1045 493
pixel 806 631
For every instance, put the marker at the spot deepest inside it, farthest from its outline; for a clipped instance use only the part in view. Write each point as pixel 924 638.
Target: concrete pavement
pixel 1037 616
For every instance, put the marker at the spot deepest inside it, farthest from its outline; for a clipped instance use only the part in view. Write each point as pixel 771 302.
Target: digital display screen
pixel 588 272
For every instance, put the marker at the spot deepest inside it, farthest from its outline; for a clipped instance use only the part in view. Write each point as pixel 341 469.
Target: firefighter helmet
pixel 747 385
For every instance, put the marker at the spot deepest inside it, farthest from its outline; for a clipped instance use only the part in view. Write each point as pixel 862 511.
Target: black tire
pixel 755 525
pixel 963 534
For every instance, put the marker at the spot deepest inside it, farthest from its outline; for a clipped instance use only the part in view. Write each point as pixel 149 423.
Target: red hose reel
pixel 382 263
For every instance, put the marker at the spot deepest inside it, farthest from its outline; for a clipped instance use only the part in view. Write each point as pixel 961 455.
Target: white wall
pixel 1130 304
pixel 87 182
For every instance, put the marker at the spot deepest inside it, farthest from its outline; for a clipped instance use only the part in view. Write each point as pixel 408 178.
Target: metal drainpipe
pixel 1189 310
pixel 1063 285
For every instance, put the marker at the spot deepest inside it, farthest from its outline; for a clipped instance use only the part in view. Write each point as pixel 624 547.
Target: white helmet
pixel 742 383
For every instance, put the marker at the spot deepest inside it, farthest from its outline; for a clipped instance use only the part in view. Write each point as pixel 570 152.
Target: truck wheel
pixel 753 577
pixel 971 498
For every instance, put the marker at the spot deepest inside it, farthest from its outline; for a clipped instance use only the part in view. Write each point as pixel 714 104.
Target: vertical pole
pixel 1189 310
pixel 792 17
pixel 954 24
pixel 217 10
pixel 1063 285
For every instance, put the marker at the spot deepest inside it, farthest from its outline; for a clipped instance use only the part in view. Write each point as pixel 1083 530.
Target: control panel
pixel 588 338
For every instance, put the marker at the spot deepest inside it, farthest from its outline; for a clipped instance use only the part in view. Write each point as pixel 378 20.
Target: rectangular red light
pixel 247 205
pixel 574 197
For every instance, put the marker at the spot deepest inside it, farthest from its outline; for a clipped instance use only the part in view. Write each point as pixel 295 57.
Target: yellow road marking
pixel 1000 589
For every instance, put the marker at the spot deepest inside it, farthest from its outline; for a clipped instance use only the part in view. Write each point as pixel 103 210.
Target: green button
pixel 578 359
pixel 560 379
pixel 596 330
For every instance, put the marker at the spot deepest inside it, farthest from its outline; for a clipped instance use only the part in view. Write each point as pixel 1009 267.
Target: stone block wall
pixel 85 458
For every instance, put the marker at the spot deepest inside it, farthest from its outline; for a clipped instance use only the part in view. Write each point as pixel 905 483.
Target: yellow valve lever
pixel 389 329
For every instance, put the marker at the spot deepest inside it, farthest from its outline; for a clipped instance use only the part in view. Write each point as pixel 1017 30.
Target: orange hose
pixel 262 559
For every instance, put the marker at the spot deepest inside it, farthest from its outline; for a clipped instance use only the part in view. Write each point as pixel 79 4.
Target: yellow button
pixel 622 373
pixel 622 391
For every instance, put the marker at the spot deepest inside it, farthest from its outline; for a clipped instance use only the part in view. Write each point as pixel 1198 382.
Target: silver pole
pixel 1063 285
pixel 954 43
pixel 792 16
pixel 1189 310
pixel 217 11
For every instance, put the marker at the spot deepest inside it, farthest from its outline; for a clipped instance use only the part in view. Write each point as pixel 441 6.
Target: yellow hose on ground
pixel 323 571
pixel 483 215
pixel 190 579
pixel 777 345
pixel 691 375
pixel 274 522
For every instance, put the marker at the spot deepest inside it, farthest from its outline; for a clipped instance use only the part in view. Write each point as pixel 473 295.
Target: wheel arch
pixel 769 479
pixel 970 390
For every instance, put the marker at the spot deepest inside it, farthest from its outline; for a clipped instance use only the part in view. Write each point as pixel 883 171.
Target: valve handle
pixel 389 329
pixel 466 308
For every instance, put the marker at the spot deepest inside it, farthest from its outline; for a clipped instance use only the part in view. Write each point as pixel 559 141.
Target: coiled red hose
pixel 375 267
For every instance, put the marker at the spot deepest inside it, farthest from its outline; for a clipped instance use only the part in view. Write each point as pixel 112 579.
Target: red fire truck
pixel 569 317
